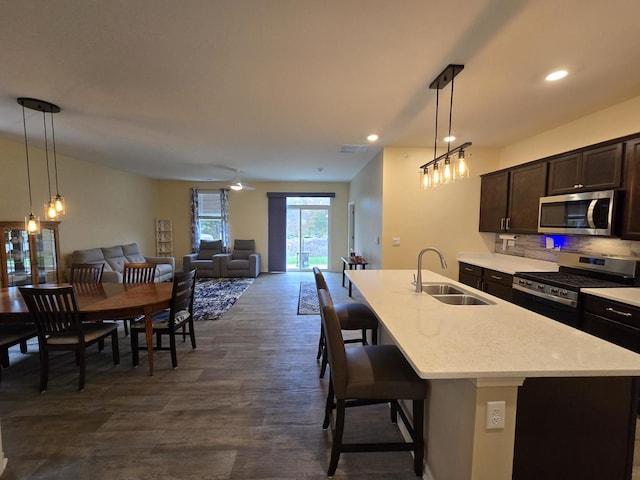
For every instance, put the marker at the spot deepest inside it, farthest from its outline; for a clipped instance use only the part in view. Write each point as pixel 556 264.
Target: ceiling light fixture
pixel 440 169
pixel 372 137
pixel 55 205
pixel 557 75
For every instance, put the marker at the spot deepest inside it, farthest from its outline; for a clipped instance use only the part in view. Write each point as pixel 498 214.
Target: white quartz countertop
pixel 509 264
pixel 630 296
pixel 500 340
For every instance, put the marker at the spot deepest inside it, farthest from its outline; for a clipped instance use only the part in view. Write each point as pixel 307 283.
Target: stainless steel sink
pixel 463 299
pixel 440 289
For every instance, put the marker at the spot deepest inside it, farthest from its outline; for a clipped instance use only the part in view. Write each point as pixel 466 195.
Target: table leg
pixel 350 287
pixel 343 274
pixel 148 330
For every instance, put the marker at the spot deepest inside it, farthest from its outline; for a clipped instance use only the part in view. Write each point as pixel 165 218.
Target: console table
pixel 352 264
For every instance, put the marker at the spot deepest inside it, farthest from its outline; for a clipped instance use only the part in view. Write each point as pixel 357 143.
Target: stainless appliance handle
pixel 618 312
pixel 590 210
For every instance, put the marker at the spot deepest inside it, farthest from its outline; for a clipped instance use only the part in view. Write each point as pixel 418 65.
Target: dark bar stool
pixel 352 316
pixel 366 375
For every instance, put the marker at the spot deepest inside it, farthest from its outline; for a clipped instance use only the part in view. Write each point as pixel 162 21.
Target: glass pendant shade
pixel 462 166
pixel 447 174
pixel 32 224
pixel 425 179
pixel 50 210
pixel 59 205
pixel 436 178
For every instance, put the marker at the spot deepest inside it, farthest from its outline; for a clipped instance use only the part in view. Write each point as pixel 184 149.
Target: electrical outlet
pixel 495 415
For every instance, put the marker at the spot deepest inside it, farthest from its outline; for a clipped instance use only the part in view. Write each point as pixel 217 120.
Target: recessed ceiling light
pixel 372 137
pixel 557 75
pixel 449 139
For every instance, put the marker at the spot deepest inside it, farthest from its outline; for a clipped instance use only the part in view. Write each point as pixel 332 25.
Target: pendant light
pixel 444 170
pixel 55 205
pixel 31 222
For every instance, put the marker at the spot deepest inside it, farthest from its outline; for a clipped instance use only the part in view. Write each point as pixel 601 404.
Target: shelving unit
pixel 164 238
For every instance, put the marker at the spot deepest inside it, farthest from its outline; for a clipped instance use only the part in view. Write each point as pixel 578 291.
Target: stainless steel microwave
pixel 585 213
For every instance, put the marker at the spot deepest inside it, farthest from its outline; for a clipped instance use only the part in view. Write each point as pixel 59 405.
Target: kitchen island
pixel 570 397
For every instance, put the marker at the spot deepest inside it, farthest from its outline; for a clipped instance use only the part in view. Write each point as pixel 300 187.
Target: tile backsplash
pixel 534 246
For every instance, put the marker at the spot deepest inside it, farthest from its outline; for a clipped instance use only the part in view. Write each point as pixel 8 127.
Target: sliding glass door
pixel 308 233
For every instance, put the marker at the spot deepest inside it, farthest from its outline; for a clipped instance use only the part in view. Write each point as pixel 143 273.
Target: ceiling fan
pixel 237 184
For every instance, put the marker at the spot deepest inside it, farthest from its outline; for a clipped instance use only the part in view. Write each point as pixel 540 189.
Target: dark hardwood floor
pixel 247 404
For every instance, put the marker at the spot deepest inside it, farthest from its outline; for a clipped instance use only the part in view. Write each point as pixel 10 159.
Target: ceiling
pixel 194 89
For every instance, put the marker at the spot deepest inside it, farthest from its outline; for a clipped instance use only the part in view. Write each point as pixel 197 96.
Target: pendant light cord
pixel 450 117
pixel 26 149
pixel 435 137
pixel 46 152
pixel 55 158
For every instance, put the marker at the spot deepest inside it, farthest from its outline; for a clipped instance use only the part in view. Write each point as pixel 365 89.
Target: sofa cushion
pixel 136 258
pixel 242 249
pixel 111 252
pixel 130 249
pixel 209 248
pixel 90 255
pixel 117 263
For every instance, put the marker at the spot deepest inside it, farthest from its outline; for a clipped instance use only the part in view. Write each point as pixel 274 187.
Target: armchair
pixel 243 261
pixel 204 260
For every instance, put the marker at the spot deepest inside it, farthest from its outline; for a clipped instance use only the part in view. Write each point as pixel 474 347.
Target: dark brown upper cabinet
pixel 630 225
pixel 589 169
pixel 509 199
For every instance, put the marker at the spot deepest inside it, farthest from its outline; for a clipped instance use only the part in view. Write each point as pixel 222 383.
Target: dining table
pixel 100 301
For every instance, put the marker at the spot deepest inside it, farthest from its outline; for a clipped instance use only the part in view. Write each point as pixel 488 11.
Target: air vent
pixel 353 148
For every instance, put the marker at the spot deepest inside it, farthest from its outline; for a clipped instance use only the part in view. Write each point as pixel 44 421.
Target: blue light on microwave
pixel 559 241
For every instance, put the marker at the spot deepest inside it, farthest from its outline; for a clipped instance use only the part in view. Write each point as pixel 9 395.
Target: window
pixel 210 215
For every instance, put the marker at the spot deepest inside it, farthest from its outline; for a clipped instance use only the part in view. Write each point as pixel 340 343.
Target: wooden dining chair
pixel 138 272
pixel 86 273
pixel 178 319
pixel 352 316
pixel 366 375
pixel 55 313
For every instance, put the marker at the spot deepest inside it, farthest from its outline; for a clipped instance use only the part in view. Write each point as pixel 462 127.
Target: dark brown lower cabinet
pixel 575 428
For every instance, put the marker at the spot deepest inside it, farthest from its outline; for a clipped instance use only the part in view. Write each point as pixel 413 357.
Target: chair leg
pixel 172 346
pixel 82 369
pixel 394 411
pixel 134 348
pixel 325 361
pixel 328 405
pixel 23 346
pixel 115 347
pixel 364 337
pixel 374 336
pixel 4 357
pixel 418 430
pixel 320 343
pixel 44 368
pixel 126 327
pixel 336 446
pixel 192 334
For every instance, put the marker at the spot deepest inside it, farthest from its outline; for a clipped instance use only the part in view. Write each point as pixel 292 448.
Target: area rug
pixel 308 299
pixel 214 296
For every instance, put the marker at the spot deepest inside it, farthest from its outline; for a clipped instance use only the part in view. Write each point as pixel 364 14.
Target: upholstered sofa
pixel 115 257
pixel 204 261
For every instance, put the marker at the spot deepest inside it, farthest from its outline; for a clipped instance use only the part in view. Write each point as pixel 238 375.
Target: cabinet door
pixel 631 194
pixel 498 284
pixel 493 202
pixel 29 259
pixel 601 168
pixel 563 174
pixel 526 186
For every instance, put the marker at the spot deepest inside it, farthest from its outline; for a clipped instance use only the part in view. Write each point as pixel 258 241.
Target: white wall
pixel 248 214
pixel 105 207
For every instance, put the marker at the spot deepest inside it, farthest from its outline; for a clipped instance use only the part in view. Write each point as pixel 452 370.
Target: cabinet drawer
pixel 612 331
pixel 469 269
pixel 495 276
pixel 618 312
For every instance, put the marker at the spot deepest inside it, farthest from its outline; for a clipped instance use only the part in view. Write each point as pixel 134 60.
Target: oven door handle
pixel 546 296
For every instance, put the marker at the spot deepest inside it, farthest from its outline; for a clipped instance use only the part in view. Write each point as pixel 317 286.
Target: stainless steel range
pixel 557 294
